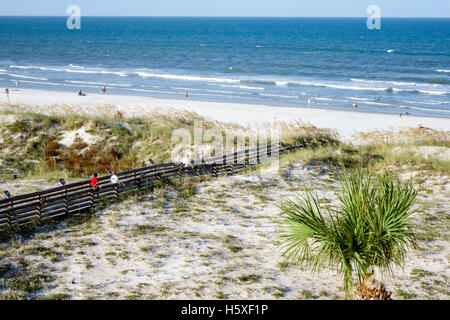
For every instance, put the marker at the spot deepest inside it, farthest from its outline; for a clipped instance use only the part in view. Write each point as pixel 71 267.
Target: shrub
pixel 369 228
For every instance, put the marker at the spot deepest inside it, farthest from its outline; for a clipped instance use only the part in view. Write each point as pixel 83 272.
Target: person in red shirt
pixel 94 180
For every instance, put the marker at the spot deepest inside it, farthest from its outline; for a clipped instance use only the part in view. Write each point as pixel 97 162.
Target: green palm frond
pixel 370 227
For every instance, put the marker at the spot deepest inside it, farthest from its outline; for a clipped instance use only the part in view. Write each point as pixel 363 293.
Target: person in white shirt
pixel 114 179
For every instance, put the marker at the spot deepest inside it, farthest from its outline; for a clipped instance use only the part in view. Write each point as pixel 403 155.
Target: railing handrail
pixel 20 207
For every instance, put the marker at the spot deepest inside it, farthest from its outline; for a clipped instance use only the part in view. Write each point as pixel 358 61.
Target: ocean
pixel 403 67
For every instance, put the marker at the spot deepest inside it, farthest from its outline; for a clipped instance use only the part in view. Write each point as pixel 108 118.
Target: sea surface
pixel 403 67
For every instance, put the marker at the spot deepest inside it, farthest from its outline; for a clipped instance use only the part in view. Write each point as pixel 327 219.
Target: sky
pixel 234 8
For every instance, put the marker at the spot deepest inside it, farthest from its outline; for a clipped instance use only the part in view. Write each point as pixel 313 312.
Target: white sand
pixel 105 259
pixel 345 122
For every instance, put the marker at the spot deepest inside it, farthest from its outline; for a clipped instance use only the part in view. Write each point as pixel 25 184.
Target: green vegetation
pixel 28 284
pixel 370 228
pixel 251 278
pixel 34 142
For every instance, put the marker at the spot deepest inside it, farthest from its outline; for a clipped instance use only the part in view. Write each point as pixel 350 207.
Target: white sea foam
pixel 183 77
pixel 23 77
pixel 427 109
pixel 278 96
pixel 328 99
pixel 437 93
pixel 78 70
pixel 359 99
pixel 443 70
pixel 154 91
pixel 400 83
pixel 99 83
pixel 54 84
pixel 237 86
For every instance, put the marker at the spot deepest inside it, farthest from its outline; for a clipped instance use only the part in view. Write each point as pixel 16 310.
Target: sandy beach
pixel 345 122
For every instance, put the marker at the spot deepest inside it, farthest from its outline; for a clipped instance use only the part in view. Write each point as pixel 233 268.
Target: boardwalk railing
pixel 75 197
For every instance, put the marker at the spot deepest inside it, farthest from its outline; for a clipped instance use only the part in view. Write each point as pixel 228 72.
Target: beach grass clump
pixel 298 133
pixel 370 230
pixel 102 142
pixel 406 137
pixel 28 283
pixel 249 278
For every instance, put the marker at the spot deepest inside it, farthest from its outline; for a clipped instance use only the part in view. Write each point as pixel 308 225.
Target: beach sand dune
pixel 345 122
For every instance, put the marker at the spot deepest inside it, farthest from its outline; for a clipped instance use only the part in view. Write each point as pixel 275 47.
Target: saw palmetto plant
pixel 369 228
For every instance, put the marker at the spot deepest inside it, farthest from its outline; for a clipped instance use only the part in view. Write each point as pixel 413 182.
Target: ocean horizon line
pixel 230 17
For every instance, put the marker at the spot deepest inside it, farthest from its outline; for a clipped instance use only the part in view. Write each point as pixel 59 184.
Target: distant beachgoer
pixel 355 105
pixel 7 94
pixel 400 115
pixel 17 84
pixel 94 180
pixel 81 94
pixel 187 95
pixel 114 178
pixel 309 102
pixel 103 89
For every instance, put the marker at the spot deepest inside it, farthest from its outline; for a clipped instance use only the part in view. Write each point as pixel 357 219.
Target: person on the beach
pixel 355 105
pixel 17 84
pixel 81 94
pixel 7 94
pixel 114 178
pixel 103 89
pixel 309 102
pixel 187 95
pixel 94 181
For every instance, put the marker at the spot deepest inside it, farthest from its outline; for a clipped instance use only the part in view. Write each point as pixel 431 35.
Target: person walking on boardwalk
pixel 94 181
pixel 114 178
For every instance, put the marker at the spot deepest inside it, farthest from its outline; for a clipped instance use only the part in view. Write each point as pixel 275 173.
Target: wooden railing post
pixel 38 207
pixel 258 160
pixel 197 171
pixel 247 157
pixel 66 204
pixel 138 181
pixel 9 212
pixel 91 196
pixel 115 191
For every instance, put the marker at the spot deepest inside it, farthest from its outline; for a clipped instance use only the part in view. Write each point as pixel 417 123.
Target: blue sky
pixel 277 8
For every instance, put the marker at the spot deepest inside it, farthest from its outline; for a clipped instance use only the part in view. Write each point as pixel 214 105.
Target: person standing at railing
pixel 114 178
pixel 94 180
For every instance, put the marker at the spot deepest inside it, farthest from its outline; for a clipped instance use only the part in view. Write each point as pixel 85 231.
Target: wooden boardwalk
pixel 43 205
